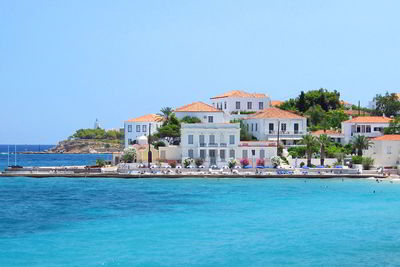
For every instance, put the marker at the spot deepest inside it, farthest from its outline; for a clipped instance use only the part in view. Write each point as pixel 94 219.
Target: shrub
pixel 129 155
pixel 187 162
pixel 158 144
pixel 367 163
pixel 173 164
pixel 302 164
pixel 244 162
pixel 199 162
pixel 100 162
pixel 284 159
pixel 276 161
pixel 260 162
pixel 232 163
pixel 357 159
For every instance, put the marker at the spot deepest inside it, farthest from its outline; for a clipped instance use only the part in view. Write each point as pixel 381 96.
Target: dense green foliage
pixel 394 126
pixel 359 143
pixel 324 141
pixel 244 134
pixel 188 119
pixel 322 97
pixel 367 163
pixel 129 155
pixel 198 162
pixel 166 112
pixel 157 144
pixel 170 129
pixel 310 144
pixel 97 134
pixel 100 162
pixel 357 159
pixel 387 104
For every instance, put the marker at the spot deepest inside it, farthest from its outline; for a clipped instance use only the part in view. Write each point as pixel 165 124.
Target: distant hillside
pixel 87 146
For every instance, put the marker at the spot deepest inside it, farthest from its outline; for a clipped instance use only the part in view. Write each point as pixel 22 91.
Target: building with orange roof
pixel 276 103
pixel 238 101
pixel 266 124
pixel 206 113
pixel 140 126
pixel 335 136
pixel 385 150
pixel 369 126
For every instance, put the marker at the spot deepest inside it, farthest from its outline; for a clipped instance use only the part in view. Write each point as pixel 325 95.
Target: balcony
pixel 223 144
pixel 286 132
pixel 202 144
pixel 213 145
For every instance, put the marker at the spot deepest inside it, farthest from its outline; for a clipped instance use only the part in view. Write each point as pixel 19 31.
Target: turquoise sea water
pixel 201 222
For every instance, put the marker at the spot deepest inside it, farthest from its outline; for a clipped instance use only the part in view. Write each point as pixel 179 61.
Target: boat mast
pixel 8 156
pixel 15 153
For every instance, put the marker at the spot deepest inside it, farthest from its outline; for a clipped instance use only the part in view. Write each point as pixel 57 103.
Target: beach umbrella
pixel 248 167
pixel 339 167
pixel 260 167
pixel 320 166
pixel 305 167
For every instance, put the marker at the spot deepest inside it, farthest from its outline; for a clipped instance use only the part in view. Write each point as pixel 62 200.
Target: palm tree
pixel 324 142
pixel 359 143
pixel 310 143
pixel 166 112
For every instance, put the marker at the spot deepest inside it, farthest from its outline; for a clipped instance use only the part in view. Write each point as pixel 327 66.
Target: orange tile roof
pixel 369 119
pixel 238 93
pixel 327 132
pixel 388 137
pixel 275 103
pixel 275 113
pixel 197 107
pixel 147 118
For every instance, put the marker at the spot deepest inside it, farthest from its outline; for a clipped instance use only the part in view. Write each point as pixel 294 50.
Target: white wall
pixel 347 128
pixel 170 153
pixel 134 134
pixel 218 117
pixel 385 153
pixel 231 103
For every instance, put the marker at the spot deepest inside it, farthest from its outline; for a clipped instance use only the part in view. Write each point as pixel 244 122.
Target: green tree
pixel 310 143
pixel 166 112
pixel 359 143
pixel 100 162
pixel 244 134
pixel 170 130
pixel 388 104
pixel 335 118
pixel 129 155
pixel 301 103
pixel 324 141
pixel 316 115
pixel 189 119
pixel 394 126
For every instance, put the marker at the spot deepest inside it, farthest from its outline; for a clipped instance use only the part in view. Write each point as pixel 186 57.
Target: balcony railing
pixel 223 145
pixel 203 144
pixel 286 132
pixel 212 144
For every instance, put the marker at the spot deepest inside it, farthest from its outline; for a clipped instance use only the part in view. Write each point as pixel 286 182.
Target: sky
pixel 65 63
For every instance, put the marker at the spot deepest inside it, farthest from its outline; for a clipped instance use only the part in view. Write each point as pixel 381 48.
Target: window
pixel 222 154
pixel 210 119
pixel 296 128
pixel 358 129
pixel 225 105
pixel 130 141
pixel 190 141
pixel 249 105
pixel 144 128
pixel 252 127
pixel 271 127
pixel 368 129
pixel 283 127
pixel 212 139
pixel 389 150
pixel 260 105
pixel 262 153
pixel 190 153
pixel 237 105
pixel 129 128
pixel 232 153
pixel 256 127
pixel 202 154
pixel 378 129
pixel 244 154
pixel 363 128
pixel 138 128
pixel 201 140
pixel 232 139
pixel 247 127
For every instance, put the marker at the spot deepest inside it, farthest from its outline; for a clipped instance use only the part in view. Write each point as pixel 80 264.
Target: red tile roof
pixel 275 103
pixel 353 112
pixel 147 118
pixel 275 113
pixel 197 107
pixel 370 119
pixel 238 93
pixel 388 137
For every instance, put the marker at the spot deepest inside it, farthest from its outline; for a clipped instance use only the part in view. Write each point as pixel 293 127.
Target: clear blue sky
pixel 65 63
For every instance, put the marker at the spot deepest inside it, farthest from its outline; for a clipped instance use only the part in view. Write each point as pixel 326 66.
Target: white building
pixel 385 150
pixel 254 150
pixel 369 126
pixel 335 136
pixel 137 127
pixel 215 143
pixel 264 125
pixel 237 101
pixel 205 112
